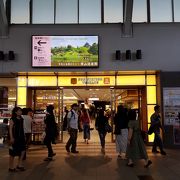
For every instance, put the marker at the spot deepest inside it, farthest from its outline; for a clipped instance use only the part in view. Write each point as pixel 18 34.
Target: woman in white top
pixel 27 116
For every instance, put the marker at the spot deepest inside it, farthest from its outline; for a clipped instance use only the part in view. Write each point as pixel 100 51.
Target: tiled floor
pixel 90 164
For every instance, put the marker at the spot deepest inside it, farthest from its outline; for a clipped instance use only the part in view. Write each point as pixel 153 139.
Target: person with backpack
pixel 72 125
pixel 156 126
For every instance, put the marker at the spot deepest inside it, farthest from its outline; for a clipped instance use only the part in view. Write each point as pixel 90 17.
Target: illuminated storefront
pixel 148 80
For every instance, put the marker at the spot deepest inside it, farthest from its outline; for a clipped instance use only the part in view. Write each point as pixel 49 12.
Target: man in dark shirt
pixel 156 124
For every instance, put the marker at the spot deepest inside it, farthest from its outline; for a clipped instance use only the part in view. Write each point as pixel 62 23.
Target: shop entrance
pixel 93 98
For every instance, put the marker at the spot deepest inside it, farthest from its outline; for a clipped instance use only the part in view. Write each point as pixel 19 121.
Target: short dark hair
pixel 132 114
pixel 5 120
pixel 156 107
pixel 50 109
pixel 74 105
pixel 16 109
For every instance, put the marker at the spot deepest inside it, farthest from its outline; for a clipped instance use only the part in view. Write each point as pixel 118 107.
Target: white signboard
pixel 171 98
pixel 41 51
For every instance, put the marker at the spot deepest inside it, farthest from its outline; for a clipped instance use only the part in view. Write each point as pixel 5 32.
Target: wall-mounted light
pixel 138 54
pixel 2 56
pixel 128 55
pixel 118 54
pixel 9 56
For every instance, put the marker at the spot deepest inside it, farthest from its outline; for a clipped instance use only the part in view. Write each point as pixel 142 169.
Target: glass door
pixel 41 99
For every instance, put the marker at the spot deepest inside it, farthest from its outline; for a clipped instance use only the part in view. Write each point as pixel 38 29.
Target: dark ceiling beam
pixel 4 30
pixel 127 22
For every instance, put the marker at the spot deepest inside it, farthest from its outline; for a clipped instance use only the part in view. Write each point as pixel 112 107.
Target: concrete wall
pixel 160 45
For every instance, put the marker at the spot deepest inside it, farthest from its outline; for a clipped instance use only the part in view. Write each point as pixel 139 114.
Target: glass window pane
pixel 66 11
pixel 89 11
pixel 20 11
pixel 177 10
pixel 139 11
pixel 113 11
pixel 43 12
pixel 151 94
pixel 161 10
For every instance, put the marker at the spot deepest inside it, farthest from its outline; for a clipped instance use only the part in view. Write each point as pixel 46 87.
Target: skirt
pixel 121 141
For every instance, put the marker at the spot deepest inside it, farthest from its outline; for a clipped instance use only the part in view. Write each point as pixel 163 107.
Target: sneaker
pixel 163 153
pixel 75 152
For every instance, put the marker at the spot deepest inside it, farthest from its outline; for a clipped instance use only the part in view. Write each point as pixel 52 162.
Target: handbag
pixel 108 128
pixel 151 130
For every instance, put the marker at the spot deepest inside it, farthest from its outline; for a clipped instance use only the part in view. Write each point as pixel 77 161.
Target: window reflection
pixel 177 10
pixel 139 11
pixel 20 11
pixel 89 11
pixel 43 12
pixel 66 11
pixel 113 11
pixel 161 10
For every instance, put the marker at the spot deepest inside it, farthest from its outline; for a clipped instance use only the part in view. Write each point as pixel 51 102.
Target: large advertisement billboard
pixel 65 51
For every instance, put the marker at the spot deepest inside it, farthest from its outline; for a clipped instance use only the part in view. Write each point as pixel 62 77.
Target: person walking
pixel 156 126
pixel 121 131
pixel 27 116
pixel 4 128
pixel 85 120
pixel 100 124
pixel 50 131
pixel 72 123
pixel 17 140
pixel 136 147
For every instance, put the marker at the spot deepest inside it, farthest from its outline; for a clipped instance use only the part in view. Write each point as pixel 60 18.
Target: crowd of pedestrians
pixel 129 141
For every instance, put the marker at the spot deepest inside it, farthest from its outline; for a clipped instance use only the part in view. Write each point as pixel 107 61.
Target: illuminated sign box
pixel 87 81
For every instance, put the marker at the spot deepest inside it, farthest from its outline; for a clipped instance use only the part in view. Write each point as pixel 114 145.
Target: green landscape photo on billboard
pixel 74 51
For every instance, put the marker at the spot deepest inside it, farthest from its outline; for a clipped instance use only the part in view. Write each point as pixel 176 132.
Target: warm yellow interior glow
pixel 37 81
pixel 22 81
pixel 131 80
pixel 150 137
pixel 151 79
pixel 21 96
pixel 151 94
pixel 86 81
pixel 150 111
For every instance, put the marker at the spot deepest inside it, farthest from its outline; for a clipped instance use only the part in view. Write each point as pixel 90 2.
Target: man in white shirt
pixel 72 123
